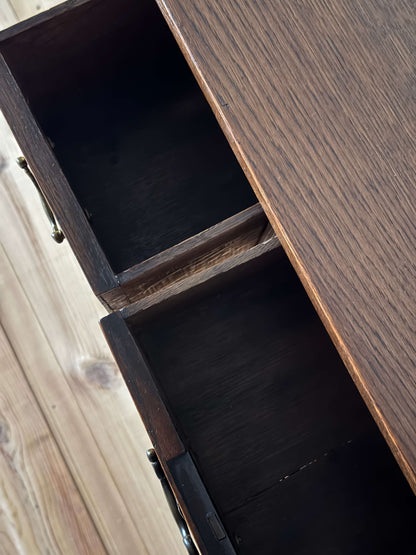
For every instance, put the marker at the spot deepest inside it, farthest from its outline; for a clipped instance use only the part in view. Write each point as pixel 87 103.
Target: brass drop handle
pixel 57 233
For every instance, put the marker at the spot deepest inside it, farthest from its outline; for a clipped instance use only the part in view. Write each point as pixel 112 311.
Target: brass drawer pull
pixel 57 233
pixel 176 512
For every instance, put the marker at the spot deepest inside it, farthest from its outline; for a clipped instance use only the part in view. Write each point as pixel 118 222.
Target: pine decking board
pixel 41 510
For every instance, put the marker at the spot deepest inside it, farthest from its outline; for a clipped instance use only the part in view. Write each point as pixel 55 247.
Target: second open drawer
pixel 233 369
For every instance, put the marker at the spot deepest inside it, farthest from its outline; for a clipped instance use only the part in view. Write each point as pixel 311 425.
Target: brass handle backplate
pixel 57 233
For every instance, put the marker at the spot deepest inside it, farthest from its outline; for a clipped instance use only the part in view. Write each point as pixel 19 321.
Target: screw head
pixel 21 162
pixel 57 235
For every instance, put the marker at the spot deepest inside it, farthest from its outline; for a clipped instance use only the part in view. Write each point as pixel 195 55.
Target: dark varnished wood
pixel 102 31
pixel 52 14
pixel 208 248
pixel 142 386
pixel 365 465
pixel 263 403
pixel 129 126
pixel 179 469
pixel 193 496
pixel 193 284
pixel 53 183
pixel 318 102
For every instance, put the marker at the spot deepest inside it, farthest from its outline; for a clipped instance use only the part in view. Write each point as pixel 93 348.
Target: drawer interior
pixel 208 248
pixel 129 125
pixel 284 443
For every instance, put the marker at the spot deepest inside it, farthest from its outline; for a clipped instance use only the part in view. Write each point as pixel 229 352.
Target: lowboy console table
pixel 238 322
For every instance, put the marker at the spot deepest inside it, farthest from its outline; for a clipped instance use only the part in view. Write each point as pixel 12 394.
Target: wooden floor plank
pixel 40 506
pixel 26 8
pixel 7 14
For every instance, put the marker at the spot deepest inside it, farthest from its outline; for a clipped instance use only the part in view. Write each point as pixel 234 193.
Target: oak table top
pixel 318 102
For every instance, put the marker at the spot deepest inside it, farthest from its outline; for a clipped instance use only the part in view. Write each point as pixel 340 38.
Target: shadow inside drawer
pixel 283 441
pixel 129 125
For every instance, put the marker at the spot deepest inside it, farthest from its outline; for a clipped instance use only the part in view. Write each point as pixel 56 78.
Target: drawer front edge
pixel 194 498
pixel 53 183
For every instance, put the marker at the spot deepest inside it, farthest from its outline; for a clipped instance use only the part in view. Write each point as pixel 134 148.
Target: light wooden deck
pixel 73 473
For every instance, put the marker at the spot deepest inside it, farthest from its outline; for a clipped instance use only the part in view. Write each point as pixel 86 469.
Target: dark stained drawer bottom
pixel 261 400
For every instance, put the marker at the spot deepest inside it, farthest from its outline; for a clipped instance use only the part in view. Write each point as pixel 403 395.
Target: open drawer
pixel 118 134
pixel 242 390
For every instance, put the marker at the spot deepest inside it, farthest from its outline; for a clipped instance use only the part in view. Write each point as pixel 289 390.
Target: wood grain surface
pixel 143 388
pixel 68 377
pixel 54 184
pixel 208 248
pixel 141 150
pixel 246 367
pixel 41 510
pixel 318 102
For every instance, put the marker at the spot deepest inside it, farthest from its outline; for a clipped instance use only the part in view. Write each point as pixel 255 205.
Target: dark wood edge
pixel 179 468
pixel 54 185
pixel 195 245
pixel 242 230
pixel 40 18
pixel 142 387
pixel 114 299
pixel 174 294
pixel 197 506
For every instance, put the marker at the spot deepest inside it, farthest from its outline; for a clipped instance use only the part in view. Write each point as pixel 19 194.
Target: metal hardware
pixel 174 507
pixel 57 233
